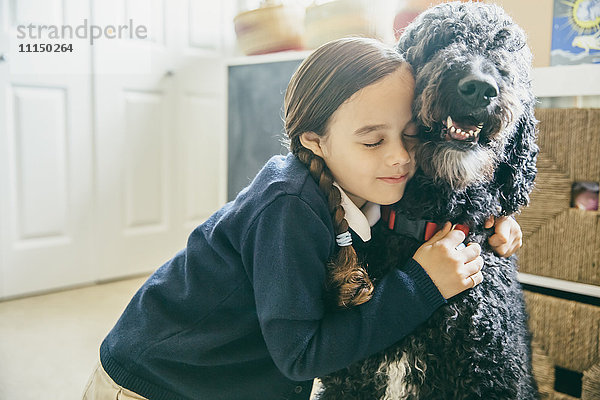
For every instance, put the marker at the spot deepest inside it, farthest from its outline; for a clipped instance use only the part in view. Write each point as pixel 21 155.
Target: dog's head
pixel 473 91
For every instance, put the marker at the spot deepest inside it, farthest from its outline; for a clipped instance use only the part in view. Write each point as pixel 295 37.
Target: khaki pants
pixel 102 387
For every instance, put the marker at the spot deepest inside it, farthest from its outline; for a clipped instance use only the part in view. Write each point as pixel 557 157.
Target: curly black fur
pixel 476 346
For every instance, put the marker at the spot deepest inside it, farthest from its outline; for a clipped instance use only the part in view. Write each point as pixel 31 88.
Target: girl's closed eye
pixel 410 130
pixel 375 144
pixel 409 141
pixel 409 136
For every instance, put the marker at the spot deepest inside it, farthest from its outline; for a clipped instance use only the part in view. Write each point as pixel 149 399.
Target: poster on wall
pixel 575 32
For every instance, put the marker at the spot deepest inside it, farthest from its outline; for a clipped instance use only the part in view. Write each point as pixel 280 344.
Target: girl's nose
pixel 398 154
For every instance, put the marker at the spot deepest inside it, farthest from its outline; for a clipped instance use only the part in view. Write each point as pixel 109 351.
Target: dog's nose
pixel 477 91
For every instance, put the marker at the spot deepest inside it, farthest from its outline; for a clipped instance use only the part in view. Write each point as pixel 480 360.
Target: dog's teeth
pixel 452 129
pixel 471 132
pixel 449 122
pixel 458 130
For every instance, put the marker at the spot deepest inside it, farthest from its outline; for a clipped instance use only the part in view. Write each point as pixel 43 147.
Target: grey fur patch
pixel 458 167
pixel 397 372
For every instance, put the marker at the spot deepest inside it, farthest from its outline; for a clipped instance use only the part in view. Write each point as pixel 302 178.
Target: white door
pixel 159 118
pixel 200 111
pixel 45 151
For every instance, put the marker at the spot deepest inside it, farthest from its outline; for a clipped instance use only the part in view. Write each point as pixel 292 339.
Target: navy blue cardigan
pixel 240 314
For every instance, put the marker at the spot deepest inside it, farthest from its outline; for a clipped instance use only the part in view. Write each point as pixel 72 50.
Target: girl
pixel 240 313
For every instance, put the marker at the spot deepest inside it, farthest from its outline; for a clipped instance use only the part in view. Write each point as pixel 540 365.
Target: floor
pixel 49 343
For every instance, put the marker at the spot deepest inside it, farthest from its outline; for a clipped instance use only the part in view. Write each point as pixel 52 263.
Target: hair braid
pixel 348 281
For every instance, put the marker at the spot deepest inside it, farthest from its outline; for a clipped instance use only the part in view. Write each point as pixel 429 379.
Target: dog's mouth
pixel 461 129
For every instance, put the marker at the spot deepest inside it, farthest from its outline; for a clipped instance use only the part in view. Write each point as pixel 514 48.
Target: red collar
pixel 430 228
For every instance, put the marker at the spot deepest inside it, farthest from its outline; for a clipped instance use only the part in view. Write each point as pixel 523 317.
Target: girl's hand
pixel 507 238
pixel 451 270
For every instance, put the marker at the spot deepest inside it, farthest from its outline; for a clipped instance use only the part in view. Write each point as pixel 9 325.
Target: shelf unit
pixel 558 284
pixel 268 58
pixel 557 81
pixel 567 80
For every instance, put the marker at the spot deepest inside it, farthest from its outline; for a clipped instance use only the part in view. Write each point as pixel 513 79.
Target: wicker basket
pixel 560 241
pixel 270 29
pixel 566 334
pixel 339 18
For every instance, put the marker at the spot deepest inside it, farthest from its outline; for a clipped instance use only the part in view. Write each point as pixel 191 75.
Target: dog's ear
pixel 516 173
pixel 510 38
pixel 432 30
pixel 422 39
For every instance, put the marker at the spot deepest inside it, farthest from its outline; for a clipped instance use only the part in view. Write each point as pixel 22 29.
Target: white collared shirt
pixel 360 220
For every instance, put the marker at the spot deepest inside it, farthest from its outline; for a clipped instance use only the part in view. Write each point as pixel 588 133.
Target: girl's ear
pixel 312 141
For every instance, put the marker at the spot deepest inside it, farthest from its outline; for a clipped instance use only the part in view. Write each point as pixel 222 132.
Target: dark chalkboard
pixel 255 118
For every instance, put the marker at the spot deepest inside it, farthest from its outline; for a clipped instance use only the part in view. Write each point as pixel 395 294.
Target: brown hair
pixel 326 79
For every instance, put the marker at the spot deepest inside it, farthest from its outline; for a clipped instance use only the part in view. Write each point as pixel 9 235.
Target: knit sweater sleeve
pixel 286 251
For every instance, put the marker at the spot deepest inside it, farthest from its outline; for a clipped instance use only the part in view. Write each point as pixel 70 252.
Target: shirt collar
pixel 360 220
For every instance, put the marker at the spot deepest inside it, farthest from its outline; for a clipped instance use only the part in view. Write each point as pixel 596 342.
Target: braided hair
pixel 325 80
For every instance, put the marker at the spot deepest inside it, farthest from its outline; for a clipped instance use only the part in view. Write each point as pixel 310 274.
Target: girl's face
pixel 367 142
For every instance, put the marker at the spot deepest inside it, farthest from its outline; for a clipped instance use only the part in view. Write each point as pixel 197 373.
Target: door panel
pixel 111 154
pixel 160 136
pixel 33 153
pixel 45 157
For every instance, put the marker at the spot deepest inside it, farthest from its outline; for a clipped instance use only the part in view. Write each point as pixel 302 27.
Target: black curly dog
pixel 476 157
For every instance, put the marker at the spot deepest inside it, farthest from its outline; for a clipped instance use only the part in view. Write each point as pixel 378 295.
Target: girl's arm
pixel 285 252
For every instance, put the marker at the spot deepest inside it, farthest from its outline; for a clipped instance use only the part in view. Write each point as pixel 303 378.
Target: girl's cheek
pixel 413 165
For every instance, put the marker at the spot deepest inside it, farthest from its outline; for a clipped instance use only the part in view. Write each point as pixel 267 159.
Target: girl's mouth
pixel 394 179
